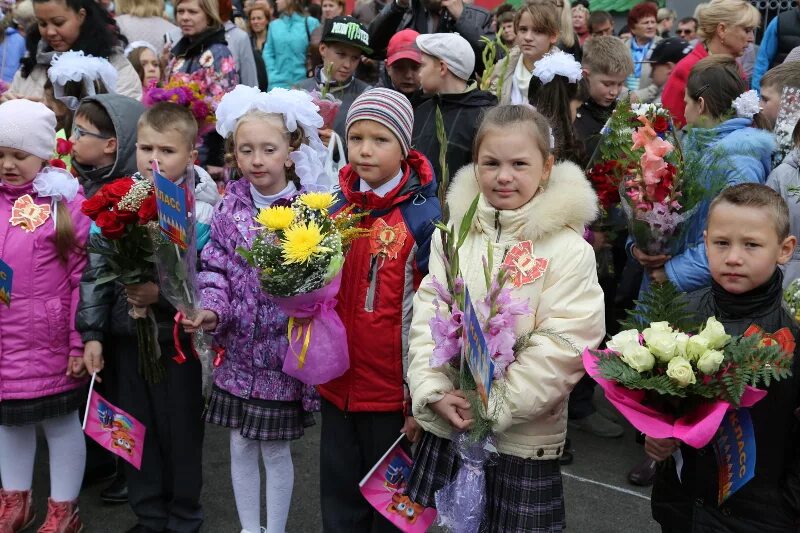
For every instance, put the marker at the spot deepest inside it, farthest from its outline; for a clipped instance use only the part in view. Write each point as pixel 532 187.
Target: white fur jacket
pixel 565 298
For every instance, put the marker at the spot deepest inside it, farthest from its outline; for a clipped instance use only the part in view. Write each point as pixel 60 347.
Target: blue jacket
pixel 11 51
pixel 743 155
pixel 766 53
pixel 285 51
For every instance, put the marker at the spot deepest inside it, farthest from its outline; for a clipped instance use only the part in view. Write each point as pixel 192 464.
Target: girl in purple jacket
pixel 276 148
pixel 42 238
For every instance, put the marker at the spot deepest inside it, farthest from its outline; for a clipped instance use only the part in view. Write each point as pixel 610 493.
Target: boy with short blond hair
pixel 606 64
pixel 165 494
pixel 746 239
pixel 772 85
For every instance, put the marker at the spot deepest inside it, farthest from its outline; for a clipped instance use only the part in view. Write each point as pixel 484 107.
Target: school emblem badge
pixel 387 240
pixel 522 266
pixel 27 214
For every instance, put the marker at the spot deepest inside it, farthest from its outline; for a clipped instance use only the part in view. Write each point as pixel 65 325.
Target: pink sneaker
pixel 16 511
pixel 62 517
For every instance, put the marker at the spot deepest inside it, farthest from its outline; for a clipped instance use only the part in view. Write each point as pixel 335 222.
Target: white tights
pixel 247 481
pixel 67 456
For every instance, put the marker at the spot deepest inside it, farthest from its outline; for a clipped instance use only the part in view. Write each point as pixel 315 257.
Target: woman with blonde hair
pixel 259 14
pixel 143 20
pixel 725 27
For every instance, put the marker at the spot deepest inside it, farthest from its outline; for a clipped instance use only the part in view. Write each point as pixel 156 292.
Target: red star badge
pixel 387 240
pixel 522 266
pixel 27 214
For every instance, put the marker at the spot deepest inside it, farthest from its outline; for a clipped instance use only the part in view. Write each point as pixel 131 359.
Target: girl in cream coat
pixel 523 197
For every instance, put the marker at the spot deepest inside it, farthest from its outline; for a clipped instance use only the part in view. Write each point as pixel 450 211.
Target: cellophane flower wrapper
pixel 325 357
pixel 329 107
pixel 461 503
pixel 177 277
pixel 696 428
pixel 791 295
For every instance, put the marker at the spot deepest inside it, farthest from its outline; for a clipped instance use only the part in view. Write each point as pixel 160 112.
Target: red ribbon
pixel 180 357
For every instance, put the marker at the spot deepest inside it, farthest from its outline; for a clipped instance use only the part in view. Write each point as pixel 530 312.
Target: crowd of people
pixel 523 124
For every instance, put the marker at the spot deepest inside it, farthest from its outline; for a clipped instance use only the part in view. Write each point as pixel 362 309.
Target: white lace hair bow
pixel 558 63
pixel 139 44
pixel 57 184
pixel 297 108
pixel 747 104
pixel 75 66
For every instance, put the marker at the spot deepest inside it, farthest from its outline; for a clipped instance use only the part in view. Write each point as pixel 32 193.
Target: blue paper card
pixel 172 214
pixel 476 352
pixel 6 276
pixel 735 447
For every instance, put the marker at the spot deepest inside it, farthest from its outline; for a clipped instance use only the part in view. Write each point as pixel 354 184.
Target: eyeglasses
pixel 79 132
pixel 684 32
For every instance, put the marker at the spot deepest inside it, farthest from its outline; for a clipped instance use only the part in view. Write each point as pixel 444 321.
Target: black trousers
pixel 350 445
pixel 165 493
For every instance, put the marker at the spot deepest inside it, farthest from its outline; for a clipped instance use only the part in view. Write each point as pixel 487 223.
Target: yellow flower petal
pixel 318 200
pixel 301 242
pixel 276 218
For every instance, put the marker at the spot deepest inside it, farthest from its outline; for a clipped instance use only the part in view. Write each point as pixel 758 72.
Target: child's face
pixel 770 103
pixel 89 146
pixel 605 88
pixel 151 69
pixel 18 167
pixel 743 247
pixel 343 58
pixel 507 32
pixel 532 43
pixel 431 73
pixel 169 148
pixel 262 153
pixel 374 152
pixel 511 167
pixel 660 73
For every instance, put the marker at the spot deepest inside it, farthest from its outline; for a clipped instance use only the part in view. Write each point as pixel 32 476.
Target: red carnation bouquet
pixel 125 212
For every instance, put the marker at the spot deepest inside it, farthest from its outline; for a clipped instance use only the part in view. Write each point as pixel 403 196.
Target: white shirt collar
pixel 262 201
pixel 384 189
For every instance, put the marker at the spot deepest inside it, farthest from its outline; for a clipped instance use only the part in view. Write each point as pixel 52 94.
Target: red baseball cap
pixel 403 46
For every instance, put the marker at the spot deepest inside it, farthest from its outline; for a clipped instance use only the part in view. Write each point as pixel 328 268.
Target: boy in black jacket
pixel 747 237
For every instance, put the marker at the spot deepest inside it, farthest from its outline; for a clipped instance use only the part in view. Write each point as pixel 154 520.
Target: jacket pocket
pixel 58 328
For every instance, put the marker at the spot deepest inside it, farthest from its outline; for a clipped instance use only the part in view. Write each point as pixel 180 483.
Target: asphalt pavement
pixel 598 496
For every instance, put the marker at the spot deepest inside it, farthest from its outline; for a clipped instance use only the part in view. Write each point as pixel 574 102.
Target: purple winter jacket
pixel 251 327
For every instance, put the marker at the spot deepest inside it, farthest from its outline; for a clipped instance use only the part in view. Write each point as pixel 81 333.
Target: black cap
pixel 347 30
pixel 669 50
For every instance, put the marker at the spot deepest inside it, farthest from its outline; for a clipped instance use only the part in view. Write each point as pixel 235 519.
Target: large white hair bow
pixel 747 104
pixel 57 184
pixel 557 63
pixel 75 66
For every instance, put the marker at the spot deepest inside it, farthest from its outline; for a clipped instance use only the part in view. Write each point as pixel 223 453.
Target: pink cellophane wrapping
pixel 696 428
pixel 327 357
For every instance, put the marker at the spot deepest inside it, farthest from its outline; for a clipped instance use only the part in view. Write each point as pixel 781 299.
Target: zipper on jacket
pixel 372 277
pixel 497 224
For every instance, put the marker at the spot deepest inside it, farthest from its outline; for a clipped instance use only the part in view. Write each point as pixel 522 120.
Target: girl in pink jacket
pixel 42 237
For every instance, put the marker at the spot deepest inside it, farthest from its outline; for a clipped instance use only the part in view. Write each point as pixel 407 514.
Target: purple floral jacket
pixel 251 327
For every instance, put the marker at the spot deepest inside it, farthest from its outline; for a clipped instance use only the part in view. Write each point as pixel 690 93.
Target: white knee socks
pixel 247 482
pixel 17 452
pixel 67 456
pixel 280 482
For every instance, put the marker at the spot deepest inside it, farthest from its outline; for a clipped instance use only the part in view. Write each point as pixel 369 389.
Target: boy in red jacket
pixel 363 411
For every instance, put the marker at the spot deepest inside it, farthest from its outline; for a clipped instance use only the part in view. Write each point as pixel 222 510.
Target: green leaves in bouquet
pixel 128 261
pixel 662 303
pixel 490 56
pixel 612 367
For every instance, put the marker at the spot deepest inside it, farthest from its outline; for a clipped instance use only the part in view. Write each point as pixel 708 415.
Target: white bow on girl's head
pixel 296 107
pixel 557 63
pixel 747 104
pixel 75 66
pixel 135 45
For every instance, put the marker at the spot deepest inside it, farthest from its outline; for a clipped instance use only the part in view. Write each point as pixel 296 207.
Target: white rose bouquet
pixel 668 383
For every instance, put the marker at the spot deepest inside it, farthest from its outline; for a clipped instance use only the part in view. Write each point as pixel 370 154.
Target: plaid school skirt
pixel 34 410
pixel 258 419
pixel 522 495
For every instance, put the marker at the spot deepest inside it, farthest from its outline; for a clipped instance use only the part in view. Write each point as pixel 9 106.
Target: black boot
pixel 117 491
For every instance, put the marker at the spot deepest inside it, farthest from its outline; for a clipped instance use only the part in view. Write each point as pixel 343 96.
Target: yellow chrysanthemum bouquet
pixel 299 253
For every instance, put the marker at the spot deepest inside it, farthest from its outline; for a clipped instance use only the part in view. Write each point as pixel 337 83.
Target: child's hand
pixel 660 449
pixel 465 414
pixel 93 358
pixel 649 261
pixel 75 367
pixel 448 408
pixel 658 275
pixel 205 319
pixel 411 429
pixel 142 294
